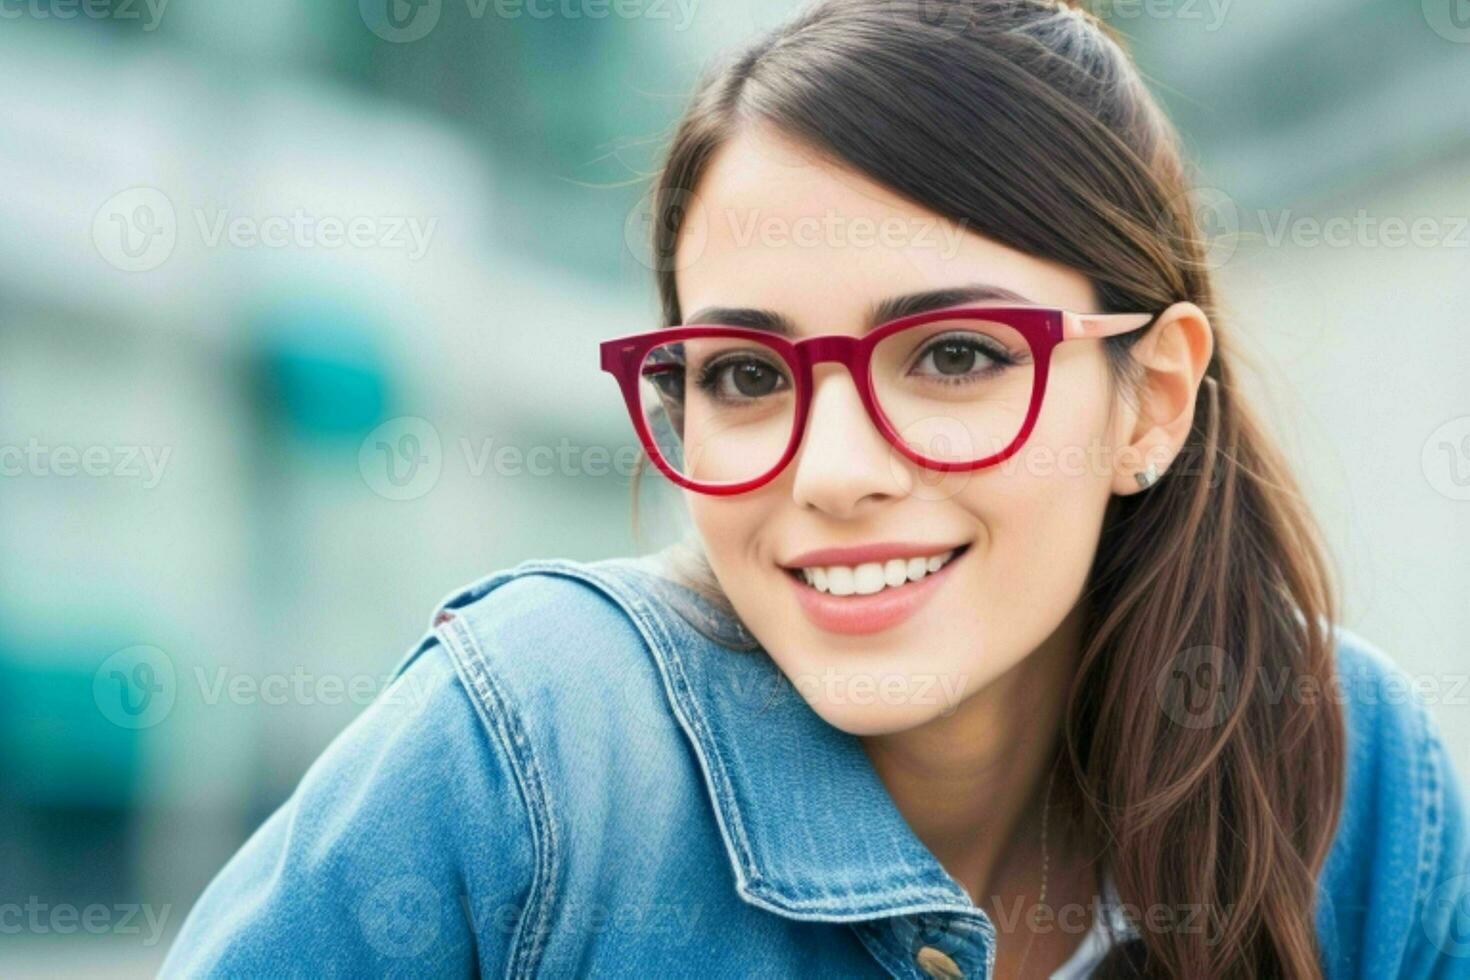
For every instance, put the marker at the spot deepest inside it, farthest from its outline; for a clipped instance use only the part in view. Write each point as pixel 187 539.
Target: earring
pixel 1148 477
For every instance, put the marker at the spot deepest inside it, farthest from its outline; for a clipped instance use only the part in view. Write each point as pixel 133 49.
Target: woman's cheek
pixel 1042 522
pixel 729 528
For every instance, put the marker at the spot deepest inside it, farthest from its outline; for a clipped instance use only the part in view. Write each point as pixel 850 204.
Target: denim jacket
pixel 567 778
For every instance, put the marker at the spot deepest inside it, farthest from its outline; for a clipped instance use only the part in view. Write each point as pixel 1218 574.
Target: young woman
pixel 1002 645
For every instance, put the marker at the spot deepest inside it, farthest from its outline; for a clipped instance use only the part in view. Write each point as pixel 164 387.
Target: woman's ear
pixel 1173 355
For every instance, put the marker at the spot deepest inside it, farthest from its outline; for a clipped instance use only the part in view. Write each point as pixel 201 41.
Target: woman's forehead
pixel 773 226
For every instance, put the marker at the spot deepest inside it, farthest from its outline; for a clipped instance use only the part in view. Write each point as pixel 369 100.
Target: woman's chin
pixel 871 720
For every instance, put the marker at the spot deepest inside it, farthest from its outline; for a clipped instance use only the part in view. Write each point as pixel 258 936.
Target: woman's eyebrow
pixel 881 312
pixel 937 299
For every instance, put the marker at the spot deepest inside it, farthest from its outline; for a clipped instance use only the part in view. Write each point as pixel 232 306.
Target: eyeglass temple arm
pixel 1077 325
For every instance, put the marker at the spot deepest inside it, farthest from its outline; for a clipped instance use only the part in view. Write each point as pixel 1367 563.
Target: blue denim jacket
pixel 567 778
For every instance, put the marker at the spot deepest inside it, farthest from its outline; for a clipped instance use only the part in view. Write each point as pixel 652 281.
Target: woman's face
pixel 775 228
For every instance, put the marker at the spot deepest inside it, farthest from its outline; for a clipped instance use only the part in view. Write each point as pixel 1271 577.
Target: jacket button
pixel 937 964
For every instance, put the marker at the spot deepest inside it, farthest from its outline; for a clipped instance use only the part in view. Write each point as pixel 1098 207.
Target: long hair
pixel 1027 122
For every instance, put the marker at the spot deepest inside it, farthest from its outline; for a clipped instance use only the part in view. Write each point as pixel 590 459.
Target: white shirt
pixel 1096 943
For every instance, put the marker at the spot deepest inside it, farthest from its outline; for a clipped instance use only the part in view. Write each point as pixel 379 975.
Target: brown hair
pixel 1216 573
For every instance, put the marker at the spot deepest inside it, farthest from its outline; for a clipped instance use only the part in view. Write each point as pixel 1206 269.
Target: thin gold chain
pixel 1045 863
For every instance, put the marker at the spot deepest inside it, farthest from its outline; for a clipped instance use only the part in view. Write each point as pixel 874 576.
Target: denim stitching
pixel 671 668
pixel 868 935
pixel 725 791
pixel 499 716
pixel 757 884
pixel 686 706
pixel 1431 809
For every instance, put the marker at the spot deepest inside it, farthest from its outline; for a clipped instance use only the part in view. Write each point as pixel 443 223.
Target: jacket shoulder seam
pixel 501 720
pixel 1419 735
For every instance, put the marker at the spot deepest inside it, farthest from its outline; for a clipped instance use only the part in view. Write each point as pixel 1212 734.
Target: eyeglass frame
pixel 1042 327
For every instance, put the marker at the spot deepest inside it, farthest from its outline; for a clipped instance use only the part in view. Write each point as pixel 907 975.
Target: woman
pixel 1002 645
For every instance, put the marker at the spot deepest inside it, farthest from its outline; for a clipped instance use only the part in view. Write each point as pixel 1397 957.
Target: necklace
pixel 1045 862
pixel 1045 857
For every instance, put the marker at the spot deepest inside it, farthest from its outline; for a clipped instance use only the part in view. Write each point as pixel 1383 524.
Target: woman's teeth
pixel 873 576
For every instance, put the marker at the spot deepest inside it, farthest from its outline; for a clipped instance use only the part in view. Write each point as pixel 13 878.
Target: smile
pixel 869 596
pixel 872 577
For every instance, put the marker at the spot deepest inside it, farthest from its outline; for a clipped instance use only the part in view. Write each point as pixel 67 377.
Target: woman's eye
pixel 743 379
pixel 957 357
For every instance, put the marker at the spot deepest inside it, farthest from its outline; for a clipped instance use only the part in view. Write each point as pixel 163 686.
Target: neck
pixel 972 784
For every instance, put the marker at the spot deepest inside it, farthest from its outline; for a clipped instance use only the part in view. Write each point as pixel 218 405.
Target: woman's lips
pixel 855 614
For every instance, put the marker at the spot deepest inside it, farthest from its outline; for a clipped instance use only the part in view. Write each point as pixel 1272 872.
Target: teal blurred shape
pixel 60 750
pixel 318 369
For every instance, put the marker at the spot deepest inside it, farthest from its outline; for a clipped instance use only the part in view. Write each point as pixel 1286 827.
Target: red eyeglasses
pixel 721 410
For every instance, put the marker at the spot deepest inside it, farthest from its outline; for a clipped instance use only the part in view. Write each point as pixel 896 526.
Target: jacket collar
pixel 809 828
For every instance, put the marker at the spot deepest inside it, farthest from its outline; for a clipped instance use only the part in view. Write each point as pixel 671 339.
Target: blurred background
pixel 297 334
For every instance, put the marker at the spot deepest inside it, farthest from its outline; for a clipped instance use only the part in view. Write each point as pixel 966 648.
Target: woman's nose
pixel 844 464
